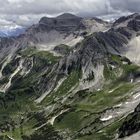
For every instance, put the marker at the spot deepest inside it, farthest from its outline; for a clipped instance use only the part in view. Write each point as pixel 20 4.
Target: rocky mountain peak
pixel 125 20
pixel 67 16
pixel 65 22
pixel 60 18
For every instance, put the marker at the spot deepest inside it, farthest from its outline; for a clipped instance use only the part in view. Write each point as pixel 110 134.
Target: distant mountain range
pixel 12 32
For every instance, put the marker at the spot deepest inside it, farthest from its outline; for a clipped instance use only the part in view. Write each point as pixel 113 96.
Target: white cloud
pixel 27 12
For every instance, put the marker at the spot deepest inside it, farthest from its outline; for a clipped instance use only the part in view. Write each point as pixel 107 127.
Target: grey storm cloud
pixel 126 5
pixel 27 12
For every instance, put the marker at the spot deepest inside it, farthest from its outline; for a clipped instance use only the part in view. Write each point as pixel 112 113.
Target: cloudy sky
pixel 15 13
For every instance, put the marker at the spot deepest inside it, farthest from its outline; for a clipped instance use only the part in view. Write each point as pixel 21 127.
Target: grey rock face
pixel 134 25
pixel 62 49
pixel 5 42
pixel 126 18
pixel 93 48
pixel 63 23
pixel 131 125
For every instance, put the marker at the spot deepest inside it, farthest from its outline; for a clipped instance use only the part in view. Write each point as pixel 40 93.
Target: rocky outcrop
pixel 131 125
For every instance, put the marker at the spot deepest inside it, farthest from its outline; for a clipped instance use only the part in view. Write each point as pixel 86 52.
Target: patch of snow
pixel 119 105
pixel 113 89
pixel 106 118
pixel 112 66
pixel 136 96
pixel 131 80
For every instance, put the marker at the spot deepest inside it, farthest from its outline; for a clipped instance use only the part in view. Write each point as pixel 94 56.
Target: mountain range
pixel 12 32
pixel 71 78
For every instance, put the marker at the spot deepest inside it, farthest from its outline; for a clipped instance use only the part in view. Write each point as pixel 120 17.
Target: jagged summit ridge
pixel 60 18
pixel 67 16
